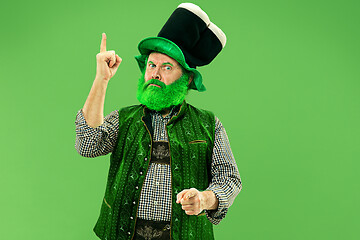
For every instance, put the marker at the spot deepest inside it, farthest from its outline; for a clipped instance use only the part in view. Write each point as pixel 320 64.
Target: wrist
pixel 210 200
pixel 101 80
pixel 100 86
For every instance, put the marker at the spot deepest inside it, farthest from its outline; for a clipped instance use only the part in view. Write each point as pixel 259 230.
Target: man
pixel 172 173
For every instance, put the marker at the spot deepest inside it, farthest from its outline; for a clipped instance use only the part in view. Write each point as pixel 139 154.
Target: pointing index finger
pixel 180 195
pixel 103 43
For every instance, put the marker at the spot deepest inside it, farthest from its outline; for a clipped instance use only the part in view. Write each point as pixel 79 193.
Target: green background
pixel 286 88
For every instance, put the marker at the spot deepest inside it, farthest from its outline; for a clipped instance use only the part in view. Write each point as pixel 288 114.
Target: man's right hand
pixel 107 62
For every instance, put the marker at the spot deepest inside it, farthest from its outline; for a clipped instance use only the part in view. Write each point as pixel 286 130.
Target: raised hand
pixel 107 62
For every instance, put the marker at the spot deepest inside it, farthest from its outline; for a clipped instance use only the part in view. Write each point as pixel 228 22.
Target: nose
pixel 156 74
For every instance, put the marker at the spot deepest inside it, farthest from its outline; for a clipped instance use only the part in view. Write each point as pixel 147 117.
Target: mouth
pixel 154 85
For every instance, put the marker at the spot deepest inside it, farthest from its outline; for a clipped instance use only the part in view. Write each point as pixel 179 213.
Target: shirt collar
pixel 173 111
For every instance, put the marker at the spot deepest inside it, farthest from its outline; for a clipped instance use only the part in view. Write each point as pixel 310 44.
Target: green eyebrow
pixel 167 63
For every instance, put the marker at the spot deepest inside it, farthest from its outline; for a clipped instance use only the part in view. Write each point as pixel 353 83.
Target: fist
pixel 191 200
pixel 107 62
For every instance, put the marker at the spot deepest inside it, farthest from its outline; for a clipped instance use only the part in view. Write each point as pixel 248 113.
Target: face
pixel 163 84
pixel 163 68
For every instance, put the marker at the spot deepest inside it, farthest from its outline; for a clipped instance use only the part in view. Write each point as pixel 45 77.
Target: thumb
pixel 118 61
pixel 191 193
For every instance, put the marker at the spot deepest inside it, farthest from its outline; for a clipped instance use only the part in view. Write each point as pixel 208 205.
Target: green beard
pixel 156 98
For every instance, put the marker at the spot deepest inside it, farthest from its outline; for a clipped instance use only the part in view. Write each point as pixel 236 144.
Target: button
pixel 141 173
pixel 129 233
pixel 145 159
pixel 149 145
pixel 134 202
pixel 137 187
pixel 131 218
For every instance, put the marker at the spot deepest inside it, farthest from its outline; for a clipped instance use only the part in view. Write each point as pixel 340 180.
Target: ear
pixel 191 77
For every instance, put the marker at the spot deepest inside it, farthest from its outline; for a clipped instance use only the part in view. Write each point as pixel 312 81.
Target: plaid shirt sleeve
pixel 92 142
pixel 226 182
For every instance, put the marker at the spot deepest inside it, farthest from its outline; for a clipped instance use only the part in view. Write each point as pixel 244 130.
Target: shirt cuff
pixel 215 216
pixel 83 129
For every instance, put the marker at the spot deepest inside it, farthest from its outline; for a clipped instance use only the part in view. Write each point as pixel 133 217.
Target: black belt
pixel 149 230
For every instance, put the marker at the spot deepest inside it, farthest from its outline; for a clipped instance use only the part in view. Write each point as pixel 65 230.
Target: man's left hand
pixel 192 201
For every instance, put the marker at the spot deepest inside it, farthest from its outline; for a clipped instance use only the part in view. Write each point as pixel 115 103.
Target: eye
pixel 167 68
pixel 152 65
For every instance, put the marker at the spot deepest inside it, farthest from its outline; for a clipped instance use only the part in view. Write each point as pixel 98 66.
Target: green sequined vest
pixel 191 140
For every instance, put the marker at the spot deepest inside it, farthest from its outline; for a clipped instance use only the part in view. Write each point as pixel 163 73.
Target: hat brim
pixel 165 46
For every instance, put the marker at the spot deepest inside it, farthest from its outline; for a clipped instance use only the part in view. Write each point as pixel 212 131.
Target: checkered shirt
pixel 155 198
